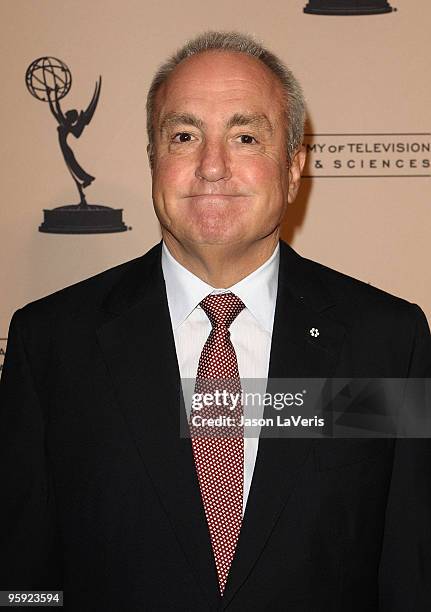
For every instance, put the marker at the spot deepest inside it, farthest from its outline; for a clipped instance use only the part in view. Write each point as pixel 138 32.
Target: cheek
pixel 172 174
pixel 267 181
pixel 261 173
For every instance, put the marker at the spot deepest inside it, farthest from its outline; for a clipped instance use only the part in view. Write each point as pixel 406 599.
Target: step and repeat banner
pixel 364 207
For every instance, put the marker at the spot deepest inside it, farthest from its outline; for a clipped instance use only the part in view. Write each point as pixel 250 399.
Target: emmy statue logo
pixel 48 79
pixel 348 7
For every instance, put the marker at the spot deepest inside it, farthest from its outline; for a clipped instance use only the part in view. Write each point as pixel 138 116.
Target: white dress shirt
pixel 251 331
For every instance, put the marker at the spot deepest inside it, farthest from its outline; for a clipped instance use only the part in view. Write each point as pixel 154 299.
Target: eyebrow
pixel 256 120
pixel 173 119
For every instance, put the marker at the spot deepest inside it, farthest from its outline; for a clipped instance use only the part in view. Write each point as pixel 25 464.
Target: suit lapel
pixel 302 304
pixel 138 346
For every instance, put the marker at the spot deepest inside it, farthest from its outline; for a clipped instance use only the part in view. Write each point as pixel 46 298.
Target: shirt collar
pixel 185 290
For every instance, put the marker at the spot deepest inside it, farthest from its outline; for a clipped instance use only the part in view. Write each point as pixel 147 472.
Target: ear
pixel 150 156
pixel 295 171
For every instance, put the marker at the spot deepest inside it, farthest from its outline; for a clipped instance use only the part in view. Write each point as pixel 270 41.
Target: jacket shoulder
pixel 86 296
pixel 353 293
pixel 385 325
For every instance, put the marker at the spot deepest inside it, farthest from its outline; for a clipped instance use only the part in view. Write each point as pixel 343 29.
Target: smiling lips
pixel 214 198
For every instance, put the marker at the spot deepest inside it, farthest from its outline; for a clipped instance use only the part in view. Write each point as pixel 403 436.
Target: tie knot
pixel 222 308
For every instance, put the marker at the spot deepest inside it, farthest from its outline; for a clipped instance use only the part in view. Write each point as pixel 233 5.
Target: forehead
pixel 220 81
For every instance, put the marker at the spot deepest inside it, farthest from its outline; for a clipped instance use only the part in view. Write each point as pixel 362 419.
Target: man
pixel 102 496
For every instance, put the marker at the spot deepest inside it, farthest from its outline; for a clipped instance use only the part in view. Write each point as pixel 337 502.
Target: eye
pixel 182 137
pixel 247 139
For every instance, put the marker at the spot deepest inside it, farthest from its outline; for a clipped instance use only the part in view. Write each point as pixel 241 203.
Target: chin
pixel 216 232
pixel 217 227
pixel 214 238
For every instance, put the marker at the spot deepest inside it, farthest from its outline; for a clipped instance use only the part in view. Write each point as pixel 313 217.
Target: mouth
pixel 214 198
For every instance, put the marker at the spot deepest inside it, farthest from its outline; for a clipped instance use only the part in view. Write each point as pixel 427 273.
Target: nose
pixel 213 162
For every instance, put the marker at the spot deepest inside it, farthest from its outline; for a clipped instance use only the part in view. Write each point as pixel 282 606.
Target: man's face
pixel 220 171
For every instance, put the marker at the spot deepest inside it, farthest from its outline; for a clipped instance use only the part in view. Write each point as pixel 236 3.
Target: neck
pixel 222 265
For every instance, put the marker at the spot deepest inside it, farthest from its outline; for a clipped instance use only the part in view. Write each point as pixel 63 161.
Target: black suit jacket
pixel 99 491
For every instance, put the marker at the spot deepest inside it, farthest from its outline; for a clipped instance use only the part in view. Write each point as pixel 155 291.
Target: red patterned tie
pixel 219 457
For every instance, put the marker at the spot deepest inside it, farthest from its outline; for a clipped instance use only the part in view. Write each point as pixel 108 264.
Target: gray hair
pixel 237 43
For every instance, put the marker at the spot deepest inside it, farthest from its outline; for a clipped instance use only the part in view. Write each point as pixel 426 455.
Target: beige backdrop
pixel 361 75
